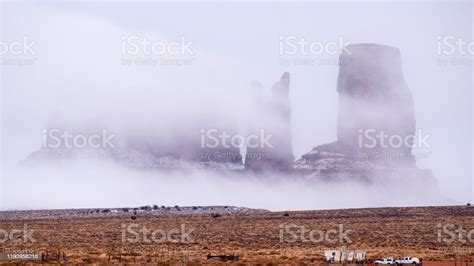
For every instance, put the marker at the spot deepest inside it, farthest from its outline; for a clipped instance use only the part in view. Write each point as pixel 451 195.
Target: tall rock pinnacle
pixel 374 99
pixel 276 123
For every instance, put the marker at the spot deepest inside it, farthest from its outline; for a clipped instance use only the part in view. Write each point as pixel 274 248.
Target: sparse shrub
pixel 124 209
pixel 195 208
pixel 145 208
pixel 468 204
pixel 105 211
pixel 163 206
pixel 286 214
pixel 155 207
pixel 133 217
pixel 215 215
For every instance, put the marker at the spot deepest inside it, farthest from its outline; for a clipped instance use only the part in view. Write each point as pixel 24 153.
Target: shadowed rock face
pixel 373 98
pixel 276 121
pixel 280 129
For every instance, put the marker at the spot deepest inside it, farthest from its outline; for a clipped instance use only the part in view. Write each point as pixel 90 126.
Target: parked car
pixel 385 261
pixel 408 260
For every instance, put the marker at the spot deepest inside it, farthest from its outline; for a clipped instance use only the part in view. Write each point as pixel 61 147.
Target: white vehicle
pixel 385 261
pixel 408 260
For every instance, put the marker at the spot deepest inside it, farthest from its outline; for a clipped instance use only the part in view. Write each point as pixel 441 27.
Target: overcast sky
pixel 78 74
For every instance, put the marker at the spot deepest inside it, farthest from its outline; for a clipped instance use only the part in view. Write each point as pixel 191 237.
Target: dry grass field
pixel 260 237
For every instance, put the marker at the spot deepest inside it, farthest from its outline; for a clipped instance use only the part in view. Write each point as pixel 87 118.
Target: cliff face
pixel 374 99
pixel 280 127
pixel 276 122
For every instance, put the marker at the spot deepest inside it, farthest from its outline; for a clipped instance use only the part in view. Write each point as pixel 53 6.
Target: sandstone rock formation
pixel 276 121
pixel 175 148
pixel 374 99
